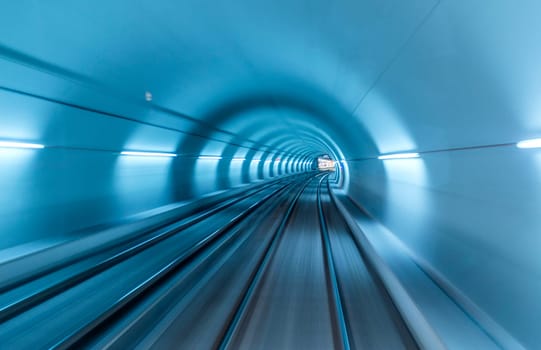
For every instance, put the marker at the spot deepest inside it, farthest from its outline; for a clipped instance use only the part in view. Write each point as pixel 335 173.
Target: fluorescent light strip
pixel 147 154
pixel 399 156
pixel 238 159
pixel 534 143
pixel 11 144
pixel 210 157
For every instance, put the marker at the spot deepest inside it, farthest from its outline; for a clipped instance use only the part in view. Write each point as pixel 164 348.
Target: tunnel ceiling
pixel 349 78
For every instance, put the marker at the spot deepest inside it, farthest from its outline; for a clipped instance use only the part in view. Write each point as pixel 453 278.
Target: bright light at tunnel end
pixel 147 154
pixel 399 156
pixel 533 143
pixel 11 144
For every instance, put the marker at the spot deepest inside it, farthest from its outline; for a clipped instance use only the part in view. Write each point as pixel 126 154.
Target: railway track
pixel 274 268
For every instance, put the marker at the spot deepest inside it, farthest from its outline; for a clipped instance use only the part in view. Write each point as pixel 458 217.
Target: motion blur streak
pixel 298 174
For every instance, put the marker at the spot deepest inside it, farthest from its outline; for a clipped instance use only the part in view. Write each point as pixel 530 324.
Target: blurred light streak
pixel 147 154
pixel 12 144
pixel 399 156
pixel 209 157
pixel 533 143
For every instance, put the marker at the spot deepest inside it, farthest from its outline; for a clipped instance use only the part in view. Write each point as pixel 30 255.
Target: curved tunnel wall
pixel 81 179
pixel 456 81
pixel 462 91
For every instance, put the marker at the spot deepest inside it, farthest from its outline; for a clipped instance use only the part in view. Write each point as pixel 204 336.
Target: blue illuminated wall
pixel 468 78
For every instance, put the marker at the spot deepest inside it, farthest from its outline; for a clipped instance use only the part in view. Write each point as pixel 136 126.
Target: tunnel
pixel 270 174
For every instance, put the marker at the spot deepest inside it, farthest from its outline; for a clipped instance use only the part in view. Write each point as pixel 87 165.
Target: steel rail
pixel 333 283
pixel 224 340
pixel 164 272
